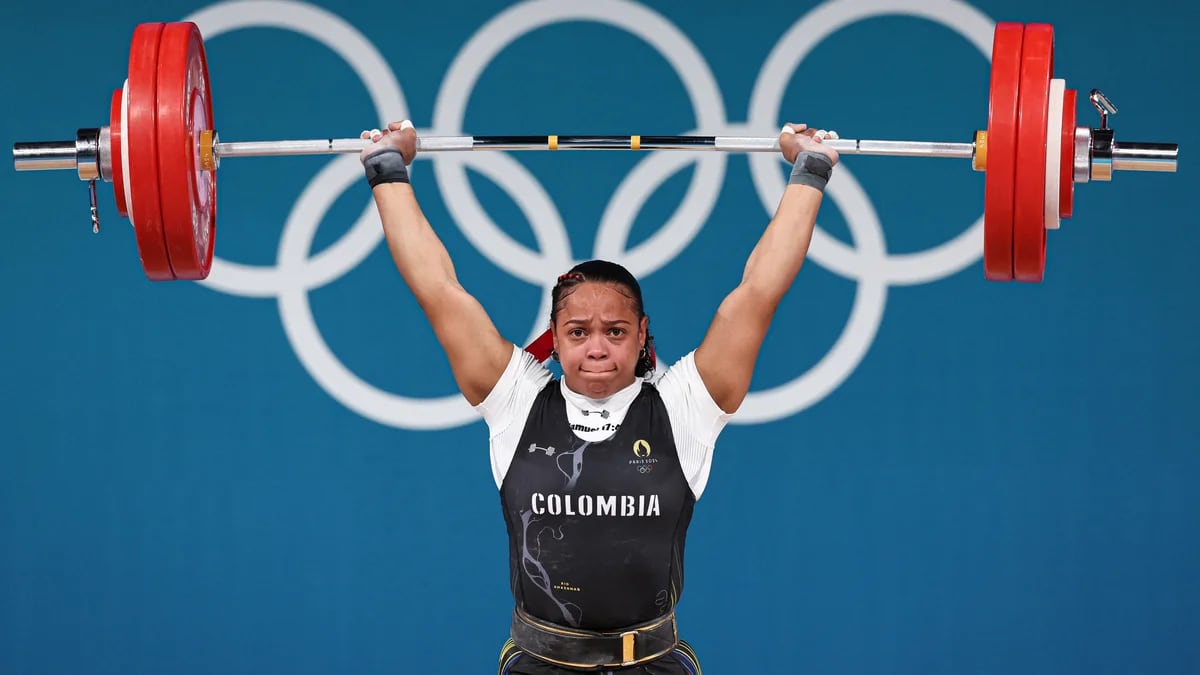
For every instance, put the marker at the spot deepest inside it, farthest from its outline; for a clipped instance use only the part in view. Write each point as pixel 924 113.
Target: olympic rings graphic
pixel 297 271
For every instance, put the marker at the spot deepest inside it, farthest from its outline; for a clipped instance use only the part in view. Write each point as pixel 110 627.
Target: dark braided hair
pixel 603 271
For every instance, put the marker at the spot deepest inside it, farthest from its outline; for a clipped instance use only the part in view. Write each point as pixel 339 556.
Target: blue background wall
pixel 984 478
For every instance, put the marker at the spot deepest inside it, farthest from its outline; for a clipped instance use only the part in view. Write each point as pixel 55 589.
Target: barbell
pixel 161 151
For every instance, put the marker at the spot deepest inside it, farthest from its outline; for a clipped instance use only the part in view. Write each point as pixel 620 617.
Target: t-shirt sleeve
pixel 507 406
pixel 696 420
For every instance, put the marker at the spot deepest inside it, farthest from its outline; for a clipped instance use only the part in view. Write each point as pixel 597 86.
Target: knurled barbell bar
pixel 161 151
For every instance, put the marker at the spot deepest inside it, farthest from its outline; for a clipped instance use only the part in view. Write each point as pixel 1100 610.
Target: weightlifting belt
pixel 591 650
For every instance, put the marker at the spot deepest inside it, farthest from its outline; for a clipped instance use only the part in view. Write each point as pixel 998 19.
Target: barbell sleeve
pixel 44 156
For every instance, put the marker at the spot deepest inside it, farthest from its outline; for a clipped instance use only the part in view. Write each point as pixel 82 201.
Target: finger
pixel 407 132
pixel 788 143
pixel 407 140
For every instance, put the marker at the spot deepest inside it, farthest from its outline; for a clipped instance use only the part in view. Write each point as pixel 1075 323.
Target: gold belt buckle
pixel 627 655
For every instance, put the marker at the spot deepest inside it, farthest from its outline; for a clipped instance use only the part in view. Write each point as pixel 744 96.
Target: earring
pixel 554 354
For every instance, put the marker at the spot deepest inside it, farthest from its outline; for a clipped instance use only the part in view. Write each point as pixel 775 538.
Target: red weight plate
pixel 184 110
pixel 1066 189
pixel 1002 146
pixel 142 160
pixel 1029 199
pixel 114 150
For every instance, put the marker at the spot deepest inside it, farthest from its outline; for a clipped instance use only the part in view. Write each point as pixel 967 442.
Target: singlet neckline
pixel 585 414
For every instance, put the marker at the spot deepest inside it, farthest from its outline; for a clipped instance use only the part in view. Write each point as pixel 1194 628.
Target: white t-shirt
pixel 696 420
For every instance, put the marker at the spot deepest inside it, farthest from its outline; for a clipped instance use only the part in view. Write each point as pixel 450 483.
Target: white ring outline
pixel 501 31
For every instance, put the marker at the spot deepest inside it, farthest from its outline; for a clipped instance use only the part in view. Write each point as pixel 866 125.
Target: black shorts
pixel 680 661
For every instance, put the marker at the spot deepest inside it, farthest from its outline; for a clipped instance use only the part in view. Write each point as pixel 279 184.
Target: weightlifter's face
pixel 598 337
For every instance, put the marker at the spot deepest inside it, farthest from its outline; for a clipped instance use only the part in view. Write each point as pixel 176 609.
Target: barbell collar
pixel 1102 154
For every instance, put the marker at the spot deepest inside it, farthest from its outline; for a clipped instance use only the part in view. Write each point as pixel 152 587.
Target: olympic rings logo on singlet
pixel 298 270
